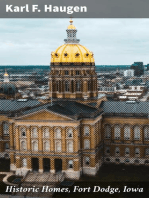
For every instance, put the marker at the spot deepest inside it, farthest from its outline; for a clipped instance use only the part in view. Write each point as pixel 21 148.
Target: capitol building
pixel 78 129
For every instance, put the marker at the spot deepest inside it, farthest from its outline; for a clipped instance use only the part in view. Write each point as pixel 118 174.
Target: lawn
pixel 115 176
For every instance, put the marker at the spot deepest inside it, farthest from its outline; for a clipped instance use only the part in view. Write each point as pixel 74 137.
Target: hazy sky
pixel 113 41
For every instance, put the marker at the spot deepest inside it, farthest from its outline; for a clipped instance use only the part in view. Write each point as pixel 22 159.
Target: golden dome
pixel 6 74
pixel 70 53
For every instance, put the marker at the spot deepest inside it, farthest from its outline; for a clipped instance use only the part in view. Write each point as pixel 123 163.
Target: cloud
pixel 113 41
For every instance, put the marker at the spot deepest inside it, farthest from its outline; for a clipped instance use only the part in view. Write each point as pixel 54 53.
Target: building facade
pixel 77 130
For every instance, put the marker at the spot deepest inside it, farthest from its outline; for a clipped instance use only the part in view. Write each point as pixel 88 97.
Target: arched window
pixel 70 147
pixel 5 128
pixel 127 151
pixel 24 162
pixel 127 132
pixel 6 145
pixel 89 85
pixel 46 133
pixel 117 150
pixel 35 146
pixel 70 133
pixel 58 146
pixel 58 133
pixel 107 150
pixel 46 146
pixel 86 130
pixel 146 133
pixel 70 164
pixel 117 132
pixel 107 132
pixel 86 144
pixel 67 86
pixel 78 86
pixel 136 133
pixel 23 145
pixel 137 151
pixel 34 132
pixel 147 151
pixel 23 132
pixel 87 161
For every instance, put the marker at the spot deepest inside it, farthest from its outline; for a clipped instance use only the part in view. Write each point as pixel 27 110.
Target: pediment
pixel 45 115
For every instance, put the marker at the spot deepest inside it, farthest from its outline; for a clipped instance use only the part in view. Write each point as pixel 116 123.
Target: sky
pixel 113 41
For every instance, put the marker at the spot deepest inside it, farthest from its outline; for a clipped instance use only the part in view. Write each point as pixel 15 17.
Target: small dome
pixel 8 88
pixel 71 26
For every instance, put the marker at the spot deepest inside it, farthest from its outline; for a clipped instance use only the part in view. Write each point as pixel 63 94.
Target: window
pixel 87 161
pixel 6 145
pixel 86 130
pixel 146 133
pixel 66 72
pixel 127 133
pixel 70 147
pixel 107 132
pixel 108 159
pixel 67 86
pixel 117 150
pixel 24 162
pixel 58 146
pixel 117 132
pixel 70 164
pixel 46 133
pixel 5 128
pixel 58 133
pixel 57 86
pixel 107 150
pixel 34 132
pixel 78 86
pixel 35 146
pixel 137 161
pixel 23 132
pixel 137 151
pixel 70 133
pixel 89 86
pixel 127 160
pixel 127 151
pixel 86 144
pixel 23 145
pixel 147 151
pixel 136 133
pixel 117 160
pixel 46 146
pixel 77 72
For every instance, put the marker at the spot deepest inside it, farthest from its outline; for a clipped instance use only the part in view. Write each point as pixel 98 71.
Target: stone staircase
pixel 38 180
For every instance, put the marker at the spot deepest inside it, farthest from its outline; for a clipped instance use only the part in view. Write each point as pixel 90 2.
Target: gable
pixel 45 115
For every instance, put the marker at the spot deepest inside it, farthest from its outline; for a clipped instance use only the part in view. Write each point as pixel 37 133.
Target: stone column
pixel 52 138
pixel 18 162
pixel 142 134
pixel 64 164
pixel 17 137
pixel 63 139
pixel 76 139
pixel 28 138
pixel 40 138
pixel 12 162
pixel 76 164
pixel 52 165
pixel 92 163
pixel 29 163
pixel 11 136
pixel 40 165
pixel 92 137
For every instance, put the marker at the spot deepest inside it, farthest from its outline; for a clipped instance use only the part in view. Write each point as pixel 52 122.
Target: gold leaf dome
pixel 72 51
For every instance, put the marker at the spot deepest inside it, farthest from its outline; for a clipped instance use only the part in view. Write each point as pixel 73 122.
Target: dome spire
pixel 6 76
pixel 71 34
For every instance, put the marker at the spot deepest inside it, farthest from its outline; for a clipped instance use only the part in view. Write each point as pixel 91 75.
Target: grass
pixel 11 178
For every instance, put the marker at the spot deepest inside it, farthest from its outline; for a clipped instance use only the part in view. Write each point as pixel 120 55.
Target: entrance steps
pixel 38 180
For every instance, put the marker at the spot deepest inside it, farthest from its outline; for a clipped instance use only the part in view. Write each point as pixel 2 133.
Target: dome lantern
pixel 71 34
